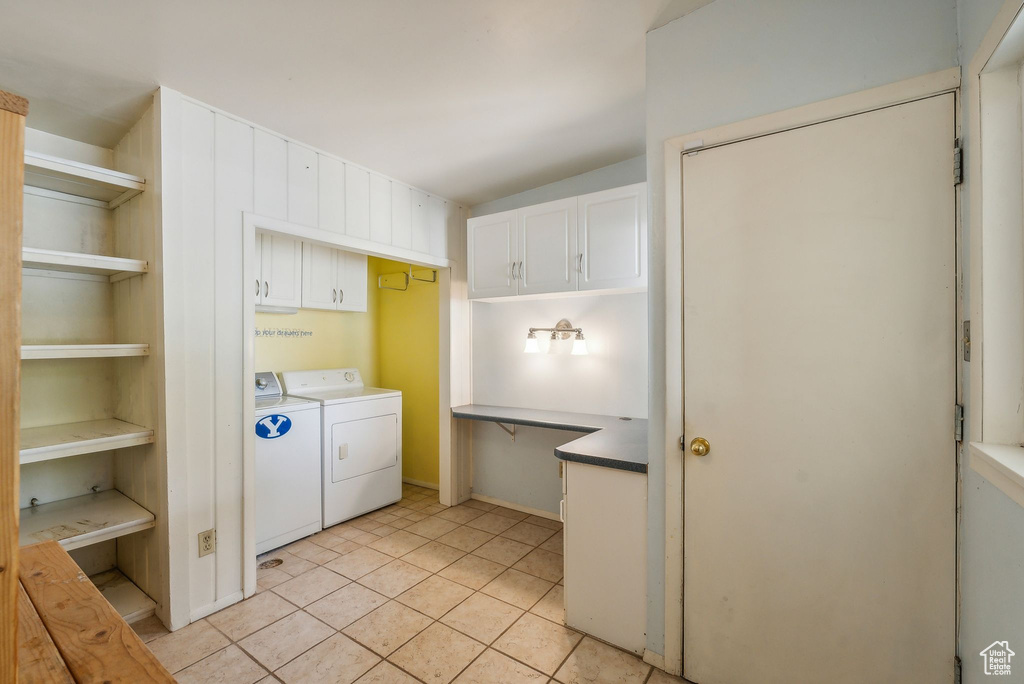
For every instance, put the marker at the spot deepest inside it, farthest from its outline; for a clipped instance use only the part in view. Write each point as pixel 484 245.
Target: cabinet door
pixel 357 202
pixel 547 247
pixel 401 215
pixel 613 238
pixel 270 171
pixel 258 268
pixel 319 277
pixel 302 185
pixel 380 209
pixel 331 181
pixel 420 225
pixel 351 281
pixel 606 554
pixel 493 249
pixel 282 271
pixel 437 227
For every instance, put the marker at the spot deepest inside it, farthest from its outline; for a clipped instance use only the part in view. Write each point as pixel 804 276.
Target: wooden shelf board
pixel 94 264
pixel 83 520
pixel 130 602
pixel 81 351
pixel 81 180
pixel 70 439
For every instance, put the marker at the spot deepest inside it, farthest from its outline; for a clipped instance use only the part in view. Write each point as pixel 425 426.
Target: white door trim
pixel 818 112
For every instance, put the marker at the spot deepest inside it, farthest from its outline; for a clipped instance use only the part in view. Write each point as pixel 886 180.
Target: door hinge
pixel 958 422
pixel 958 162
pixel 957 670
pixel 967 340
pixel 682 442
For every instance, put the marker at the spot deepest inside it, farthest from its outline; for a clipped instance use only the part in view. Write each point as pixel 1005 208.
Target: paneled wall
pixel 215 167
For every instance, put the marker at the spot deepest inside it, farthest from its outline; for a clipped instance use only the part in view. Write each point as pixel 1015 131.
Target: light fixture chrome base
pixel 567 329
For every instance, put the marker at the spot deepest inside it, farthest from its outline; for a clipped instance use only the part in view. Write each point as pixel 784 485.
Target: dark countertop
pixel 612 442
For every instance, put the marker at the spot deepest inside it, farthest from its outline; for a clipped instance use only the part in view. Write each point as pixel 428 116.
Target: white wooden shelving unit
pixel 68 177
pixel 81 351
pixel 71 439
pixel 83 520
pixel 107 515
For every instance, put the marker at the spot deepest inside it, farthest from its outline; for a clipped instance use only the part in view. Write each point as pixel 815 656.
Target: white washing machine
pixel 362 440
pixel 287 505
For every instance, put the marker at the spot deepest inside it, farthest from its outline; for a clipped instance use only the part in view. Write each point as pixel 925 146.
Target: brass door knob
pixel 699 446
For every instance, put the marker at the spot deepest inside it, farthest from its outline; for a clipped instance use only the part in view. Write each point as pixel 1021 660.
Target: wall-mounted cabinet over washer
pixel 333 279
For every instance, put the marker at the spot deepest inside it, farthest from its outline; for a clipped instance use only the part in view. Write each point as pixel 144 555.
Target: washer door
pixel 363 446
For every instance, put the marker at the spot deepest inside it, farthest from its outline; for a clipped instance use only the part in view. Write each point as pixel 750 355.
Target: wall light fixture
pixel 563 330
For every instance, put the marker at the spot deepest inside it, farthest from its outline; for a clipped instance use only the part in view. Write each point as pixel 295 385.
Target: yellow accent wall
pixel 394 345
pixel 408 339
pixel 338 339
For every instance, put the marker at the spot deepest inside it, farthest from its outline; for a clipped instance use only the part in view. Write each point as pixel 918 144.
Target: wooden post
pixel 13 110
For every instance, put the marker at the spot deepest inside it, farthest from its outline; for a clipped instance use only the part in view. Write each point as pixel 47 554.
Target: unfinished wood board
pixel 130 602
pixel 39 661
pixel 81 180
pixel 12 146
pixel 81 351
pixel 83 520
pixel 96 643
pixel 95 264
pixel 59 441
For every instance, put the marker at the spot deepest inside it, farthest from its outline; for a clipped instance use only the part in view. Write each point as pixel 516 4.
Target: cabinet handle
pixel 561 510
pixel 521 269
pixel 257 287
pixel 266 288
pixel 342 293
pixel 513 270
pixel 334 295
pixel 579 266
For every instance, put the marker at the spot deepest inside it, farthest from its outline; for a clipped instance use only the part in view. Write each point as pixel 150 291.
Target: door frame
pixel 946 81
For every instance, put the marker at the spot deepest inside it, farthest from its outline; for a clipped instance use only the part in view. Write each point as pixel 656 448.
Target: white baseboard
pixel 655 659
pixel 231 599
pixel 428 485
pixel 515 507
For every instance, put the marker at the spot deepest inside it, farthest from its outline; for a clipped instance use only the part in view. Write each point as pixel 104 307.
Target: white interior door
pixel 547 247
pixel 819 318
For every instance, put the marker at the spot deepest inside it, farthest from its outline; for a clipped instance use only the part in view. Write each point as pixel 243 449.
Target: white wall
pixel 617 175
pixel 991 593
pixel 736 59
pixel 610 380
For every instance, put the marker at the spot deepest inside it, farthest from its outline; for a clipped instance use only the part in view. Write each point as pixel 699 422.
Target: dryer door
pixel 363 446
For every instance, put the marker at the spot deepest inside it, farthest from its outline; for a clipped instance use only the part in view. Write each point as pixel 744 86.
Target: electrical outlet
pixel 207 542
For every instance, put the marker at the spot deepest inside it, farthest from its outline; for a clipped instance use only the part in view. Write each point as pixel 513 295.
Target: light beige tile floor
pixel 414 592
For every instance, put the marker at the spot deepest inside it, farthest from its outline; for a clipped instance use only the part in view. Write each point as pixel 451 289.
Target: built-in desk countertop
pixel 613 442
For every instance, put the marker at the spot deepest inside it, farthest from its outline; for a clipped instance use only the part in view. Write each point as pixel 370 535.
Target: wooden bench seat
pixel 67 631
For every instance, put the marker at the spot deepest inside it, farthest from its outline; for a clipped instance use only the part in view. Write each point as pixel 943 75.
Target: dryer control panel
pixel 267 385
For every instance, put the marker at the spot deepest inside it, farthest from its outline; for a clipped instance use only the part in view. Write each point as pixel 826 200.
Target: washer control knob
pixel 350 376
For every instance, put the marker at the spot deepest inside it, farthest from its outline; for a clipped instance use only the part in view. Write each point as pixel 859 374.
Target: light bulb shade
pixel 531 345
pixel 579 346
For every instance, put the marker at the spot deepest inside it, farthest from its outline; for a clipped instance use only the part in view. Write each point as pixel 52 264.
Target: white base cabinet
pixel 578 244
pixel 332 279
pixel 605 516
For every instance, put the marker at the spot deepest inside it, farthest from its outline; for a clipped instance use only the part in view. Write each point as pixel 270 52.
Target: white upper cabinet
pixel 351 281
pixel 548 259
pixel 380 209
pixel 319 277
pixel 270 182
pixel 280 270
pixel 302 185
pixel 357 202
pixel 613 238
pixel 331 182
pixel 493 246
pixel 437 226
pixel 401 215
pixel 420 224
pixel 592 242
